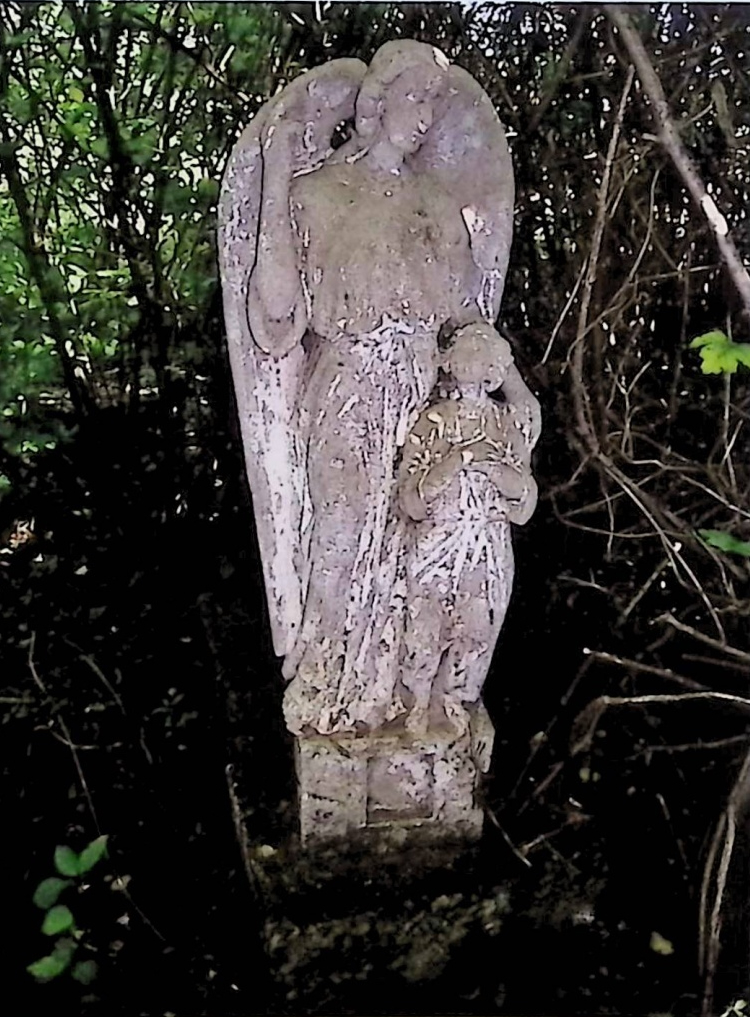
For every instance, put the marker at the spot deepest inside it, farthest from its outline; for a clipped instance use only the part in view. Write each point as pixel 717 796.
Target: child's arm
pixel 424 451
pixel 504 457
pixel 440 474
pixel 511 482
pixel 517 486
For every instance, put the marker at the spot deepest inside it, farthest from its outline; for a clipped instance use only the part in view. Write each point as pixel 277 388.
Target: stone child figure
pixel 471 431
pixel 465 474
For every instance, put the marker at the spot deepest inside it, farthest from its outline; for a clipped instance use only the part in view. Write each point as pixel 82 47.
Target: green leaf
pixel 208 189
pixel 708 338
pixel 720 354
pixel 47 968
pixel 58 919
pixel 66 860
pixel 661 945
pixel 48 891
pixel 725 542
pixel 92 853
pixel 50 967
pixel 85 972
pixel 99 148
pixel 64 949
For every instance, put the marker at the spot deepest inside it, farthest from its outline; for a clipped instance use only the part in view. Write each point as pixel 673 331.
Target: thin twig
pixel 104 680
pixel 521 857
pixel 254 875
pixel 710 925
pixel 670 139
pixel 717 496
pixel 668 818
pixel 63 740
pixel 66 732
pixel 717 743
pixel 699 658
pixel 650 509
pixel 589 718
pixel 32 665
pixel 715 644
pixel 538 742
pixel 564 313
pixel 637 665
pixel 643 591
pixel 585 426
pixel 542 838
pixel 79 769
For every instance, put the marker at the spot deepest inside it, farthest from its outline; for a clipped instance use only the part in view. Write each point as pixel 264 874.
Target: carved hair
pixel 388 64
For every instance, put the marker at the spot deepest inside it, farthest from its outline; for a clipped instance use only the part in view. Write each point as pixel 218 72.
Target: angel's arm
pixel 489 240
pixel 520 511
pixel 419 489
pixel 275 301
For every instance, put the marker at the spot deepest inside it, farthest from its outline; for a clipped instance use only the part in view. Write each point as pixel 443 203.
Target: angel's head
pixel 478 357
pixel 397 100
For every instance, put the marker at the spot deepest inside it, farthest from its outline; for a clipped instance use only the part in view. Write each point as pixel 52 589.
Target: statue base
pixel 393 788
pixel 385 895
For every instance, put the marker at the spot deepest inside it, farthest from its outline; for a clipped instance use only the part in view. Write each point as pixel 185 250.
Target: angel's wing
pixel 267 387
pixel 466 149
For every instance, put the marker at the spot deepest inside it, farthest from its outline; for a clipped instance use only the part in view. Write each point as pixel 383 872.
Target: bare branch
pixel 637 665
pixel 713 643
pixel 587 721
pixel 670 139
pixel 709 933
pixel 583 412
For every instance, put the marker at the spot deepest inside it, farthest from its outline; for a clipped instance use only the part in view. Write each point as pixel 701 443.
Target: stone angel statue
pixel 342 267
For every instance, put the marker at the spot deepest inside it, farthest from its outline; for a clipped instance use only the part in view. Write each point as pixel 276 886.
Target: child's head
pixel 478 355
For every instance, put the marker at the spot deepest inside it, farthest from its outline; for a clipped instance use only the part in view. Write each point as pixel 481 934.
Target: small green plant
pixel 725 542
pixel 58 918
pixel 719 353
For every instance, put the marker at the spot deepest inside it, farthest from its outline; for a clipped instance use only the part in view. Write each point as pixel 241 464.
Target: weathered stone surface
pixel 360 288
pixel 391 786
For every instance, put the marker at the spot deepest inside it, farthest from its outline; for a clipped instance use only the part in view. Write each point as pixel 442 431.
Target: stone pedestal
pixel 392 787
pixel 385 895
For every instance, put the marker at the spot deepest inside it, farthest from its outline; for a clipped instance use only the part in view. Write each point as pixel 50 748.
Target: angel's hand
pixel 510 484
pixel 482 241
pixel 522 510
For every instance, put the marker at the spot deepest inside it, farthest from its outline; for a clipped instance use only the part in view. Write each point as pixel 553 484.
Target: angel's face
pixel 408 110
